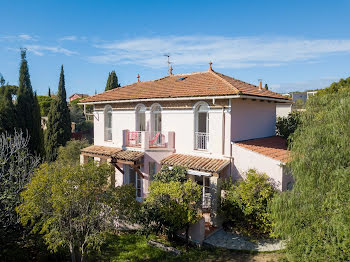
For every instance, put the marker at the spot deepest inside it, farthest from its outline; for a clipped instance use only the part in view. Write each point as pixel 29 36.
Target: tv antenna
pixel 168 62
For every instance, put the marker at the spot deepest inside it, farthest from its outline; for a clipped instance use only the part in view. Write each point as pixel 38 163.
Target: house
pixel 76 96
pixel 214 125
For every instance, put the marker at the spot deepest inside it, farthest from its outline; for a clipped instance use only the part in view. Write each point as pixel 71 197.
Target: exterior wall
pixel 282 109
pixel 252 119
pixel 245 159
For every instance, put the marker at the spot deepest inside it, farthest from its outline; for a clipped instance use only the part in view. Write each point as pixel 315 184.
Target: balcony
pixel 201 141
pixel 149 140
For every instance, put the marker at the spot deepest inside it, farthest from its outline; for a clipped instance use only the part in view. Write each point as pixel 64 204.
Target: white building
pixel 201 121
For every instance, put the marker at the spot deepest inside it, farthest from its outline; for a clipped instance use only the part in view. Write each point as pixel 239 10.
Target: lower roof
pixel 204 164
pixel 113 152
pixel 274 147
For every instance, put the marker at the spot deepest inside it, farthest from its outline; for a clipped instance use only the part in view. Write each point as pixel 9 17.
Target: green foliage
pixel 245 206
pixel 37 137
pixel 335 87
pixel 171 207
pixel 112 81
pixel 266 87
pixel 7 111
pixel 285 126
pixel 72 206
pixel 44 104
pixel 16 166
pixel 167 174
pixel 70 153
pixel 27 115
pixel 2 80
pixel 59 129
pixel 314 217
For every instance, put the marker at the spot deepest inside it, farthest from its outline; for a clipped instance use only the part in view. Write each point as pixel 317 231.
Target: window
pixel 201 126
pixel 152 169
pixel 156 125
pixel 136 180
pixel 140 118
pixel 108 123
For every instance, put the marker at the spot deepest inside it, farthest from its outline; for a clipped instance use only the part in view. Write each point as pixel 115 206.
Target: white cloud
pixel 41 49
pixel 229 52
pixel 69 38
pixel 20 37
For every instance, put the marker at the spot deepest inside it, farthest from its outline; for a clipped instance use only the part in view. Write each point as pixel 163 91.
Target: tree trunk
pixel 187 238
pixel 72 254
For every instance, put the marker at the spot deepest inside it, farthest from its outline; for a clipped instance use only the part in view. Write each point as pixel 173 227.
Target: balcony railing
pixel 134 138
pixel 201 140
pixel 145 139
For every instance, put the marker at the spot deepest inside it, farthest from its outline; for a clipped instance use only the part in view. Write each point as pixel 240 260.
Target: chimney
pixel 171 71
pixel 210 68
pixel 260 84
pixel 138 78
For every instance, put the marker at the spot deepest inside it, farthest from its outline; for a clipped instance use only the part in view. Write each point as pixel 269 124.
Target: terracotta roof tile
pixel 207 83
pixel 199 163
pixel 113 152
pixel 274 147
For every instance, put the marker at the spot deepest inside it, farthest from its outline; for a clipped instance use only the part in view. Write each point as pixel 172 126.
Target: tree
pixel 45 104
pixel 285 126
pixel 73 206
pixel 7 111
pixel 49 94
pixel 70 154
pixel 314 217
pixel 59 129
pixel 335 87
pixel 2 80
pixel 28 119
pixel 266 87
pixel 167 174
pixel 112 81
pixel 16 167
pixel 171 207
pixel 245 205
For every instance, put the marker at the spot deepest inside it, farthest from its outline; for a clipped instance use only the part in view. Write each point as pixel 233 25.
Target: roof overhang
pixel 279 100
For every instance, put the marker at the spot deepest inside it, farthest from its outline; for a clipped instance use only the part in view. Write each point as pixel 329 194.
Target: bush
pixel 285 126
pixel 245 205
pixel 167 174
pixel 70 153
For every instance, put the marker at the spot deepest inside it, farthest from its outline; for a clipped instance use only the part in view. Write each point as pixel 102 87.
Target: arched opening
pixel 201 126
pixel 156 125
pixel 108 123
pixel 140 118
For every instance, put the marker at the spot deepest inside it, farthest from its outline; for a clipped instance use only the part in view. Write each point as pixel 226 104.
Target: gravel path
pixel 228 240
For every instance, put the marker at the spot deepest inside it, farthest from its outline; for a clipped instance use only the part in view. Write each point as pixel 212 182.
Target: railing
pixel 157 139
pixel 201 140
pixel 134 138
pixel 206 201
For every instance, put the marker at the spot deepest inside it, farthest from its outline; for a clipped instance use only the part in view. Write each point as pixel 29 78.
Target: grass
pixel 133 247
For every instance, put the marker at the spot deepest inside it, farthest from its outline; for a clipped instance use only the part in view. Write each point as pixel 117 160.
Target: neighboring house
pixel 76 96
pixel 201 121
pixel 310 93
pixel 283 109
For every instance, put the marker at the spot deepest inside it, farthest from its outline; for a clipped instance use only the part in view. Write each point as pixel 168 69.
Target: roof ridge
pixel 225 81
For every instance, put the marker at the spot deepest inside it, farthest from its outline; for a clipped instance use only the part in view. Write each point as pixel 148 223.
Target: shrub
pixel 70 153
pixel 245 205
pixel 285 126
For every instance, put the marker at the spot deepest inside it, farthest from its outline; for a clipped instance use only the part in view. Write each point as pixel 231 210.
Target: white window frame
pixel 196 109
pixel 108 112
pixel 138 109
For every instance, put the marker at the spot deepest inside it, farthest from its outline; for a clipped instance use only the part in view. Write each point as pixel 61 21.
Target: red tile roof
pixel 113 152
pixel 207 83
pixel 274 147
pixel 199 163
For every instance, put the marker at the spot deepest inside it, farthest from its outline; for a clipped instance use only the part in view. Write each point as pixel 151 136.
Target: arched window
pixel 108 123
pixel 156 125
pixel 201 118
pixel 140 118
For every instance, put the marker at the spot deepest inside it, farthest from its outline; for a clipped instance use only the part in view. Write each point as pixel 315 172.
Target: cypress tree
pixel 49 92
pixel 28 119
pixel 37 135
pixel 266 87
pixel 7 111
pixel 112 81
pixel 59 125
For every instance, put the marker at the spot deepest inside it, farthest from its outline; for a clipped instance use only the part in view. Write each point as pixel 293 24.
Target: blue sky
pixel 291 45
